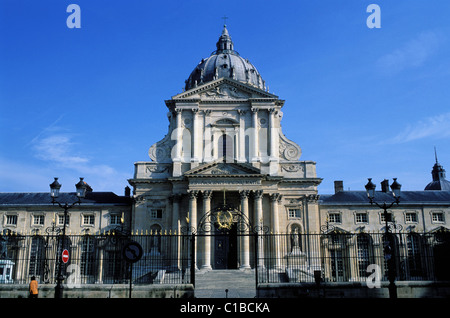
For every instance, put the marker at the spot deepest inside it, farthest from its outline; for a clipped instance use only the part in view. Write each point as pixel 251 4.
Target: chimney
pixel 385 186
pixel 127 191
pixel 338 186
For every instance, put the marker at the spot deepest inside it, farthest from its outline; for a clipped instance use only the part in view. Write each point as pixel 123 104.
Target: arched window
pixel 226 149
pixel 186 145
pixel 87 262
pixel 364 254
pixel 415 255
pixel 37 256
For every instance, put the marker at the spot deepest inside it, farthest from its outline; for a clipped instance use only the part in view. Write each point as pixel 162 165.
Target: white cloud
pixel 437 127
pixel 58 148
pixel 60 151
pixel 411 54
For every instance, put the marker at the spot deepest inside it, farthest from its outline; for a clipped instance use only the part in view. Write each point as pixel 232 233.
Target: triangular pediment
pixel 220 168
pixel 224 89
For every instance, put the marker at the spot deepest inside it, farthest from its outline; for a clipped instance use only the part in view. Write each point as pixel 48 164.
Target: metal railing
pixel 278 258
pixel 95 259
pixel 346 257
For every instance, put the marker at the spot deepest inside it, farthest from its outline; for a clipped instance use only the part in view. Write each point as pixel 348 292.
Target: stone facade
pixel 418 211
pixel 35 214
pixel 225 146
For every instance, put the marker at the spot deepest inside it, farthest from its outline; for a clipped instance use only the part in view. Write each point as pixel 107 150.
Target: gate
pixel 231 238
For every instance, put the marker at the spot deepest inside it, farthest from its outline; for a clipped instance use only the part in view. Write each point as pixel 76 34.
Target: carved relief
pixel 292 167
pixel 157 169
pixel 222 169
pixel 288 150
pixel 161 151
pixel 225 92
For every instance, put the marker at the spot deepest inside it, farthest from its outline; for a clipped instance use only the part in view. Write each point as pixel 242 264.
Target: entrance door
pixel 225 248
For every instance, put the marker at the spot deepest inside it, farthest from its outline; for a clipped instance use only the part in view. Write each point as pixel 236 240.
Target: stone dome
pixel 225 62
pixel 439 182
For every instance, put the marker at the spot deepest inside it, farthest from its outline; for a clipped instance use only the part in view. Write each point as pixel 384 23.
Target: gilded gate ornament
pixel 225 220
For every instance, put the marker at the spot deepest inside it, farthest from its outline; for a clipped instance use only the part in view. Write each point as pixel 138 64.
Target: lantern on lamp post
pixel 389 252
pixel 81 189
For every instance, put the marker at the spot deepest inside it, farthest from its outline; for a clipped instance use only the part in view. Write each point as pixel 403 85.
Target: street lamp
pixel 389 243
pixel 55 186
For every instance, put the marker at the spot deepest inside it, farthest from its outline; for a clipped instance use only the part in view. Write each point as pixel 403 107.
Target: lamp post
pixel 389 242
pixel 55 186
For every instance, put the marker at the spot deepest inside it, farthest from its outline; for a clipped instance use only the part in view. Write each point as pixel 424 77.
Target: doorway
pixel 225 248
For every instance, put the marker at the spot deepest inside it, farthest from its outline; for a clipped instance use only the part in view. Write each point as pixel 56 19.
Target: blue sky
pixel 89 102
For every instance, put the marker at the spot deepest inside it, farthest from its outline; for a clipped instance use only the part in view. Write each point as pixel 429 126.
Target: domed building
pixel 439 182
pixel 225 62
pixel 225 148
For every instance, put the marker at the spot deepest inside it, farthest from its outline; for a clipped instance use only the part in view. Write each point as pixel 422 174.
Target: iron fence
pixel 345 257
pixel 276 258
pixel 95 259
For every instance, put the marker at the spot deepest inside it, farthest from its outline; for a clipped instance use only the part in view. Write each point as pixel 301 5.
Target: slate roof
pixel 407 197
pixel 43 198
pixel 225 62
pixel 438 185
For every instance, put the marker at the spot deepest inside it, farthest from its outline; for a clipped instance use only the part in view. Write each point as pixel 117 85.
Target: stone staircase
pixel 213 283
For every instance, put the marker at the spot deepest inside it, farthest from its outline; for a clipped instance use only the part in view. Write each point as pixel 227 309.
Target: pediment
pixel 335 230
pixel 224 89
pixel 223 169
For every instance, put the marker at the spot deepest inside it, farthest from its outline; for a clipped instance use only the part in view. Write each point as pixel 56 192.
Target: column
pixel 176 229
pixel 257 197
pixel 255 154
pixel 207 137
pixel 313 225
pixel 178 144
pixel 245 239
pixel 274 211
pixel 192 210
pixel 195 141
pixel 241 139
pixel 193 219
pixel 273 135
pixel 274 198
pixel 207 195
pixel 179 136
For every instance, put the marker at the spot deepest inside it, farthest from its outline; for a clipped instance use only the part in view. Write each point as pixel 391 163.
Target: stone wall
pixel 102 291
pixel 405 289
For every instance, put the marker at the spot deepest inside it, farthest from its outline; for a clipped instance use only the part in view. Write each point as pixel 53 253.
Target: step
pixel 225 284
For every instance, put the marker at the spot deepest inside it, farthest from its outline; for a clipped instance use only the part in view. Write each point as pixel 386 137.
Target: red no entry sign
pixel 65 256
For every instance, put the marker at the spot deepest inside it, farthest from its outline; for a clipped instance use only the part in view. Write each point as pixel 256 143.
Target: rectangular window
pixel 294 212
pixel 411 217
pixel 115 219
pixel 334 218
pixel 156 213
pixel 88 220
pixel 361 218
pixel 38 220
pixel 389 217
pixel 11 220
pixel 437 217
pixel 61 219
